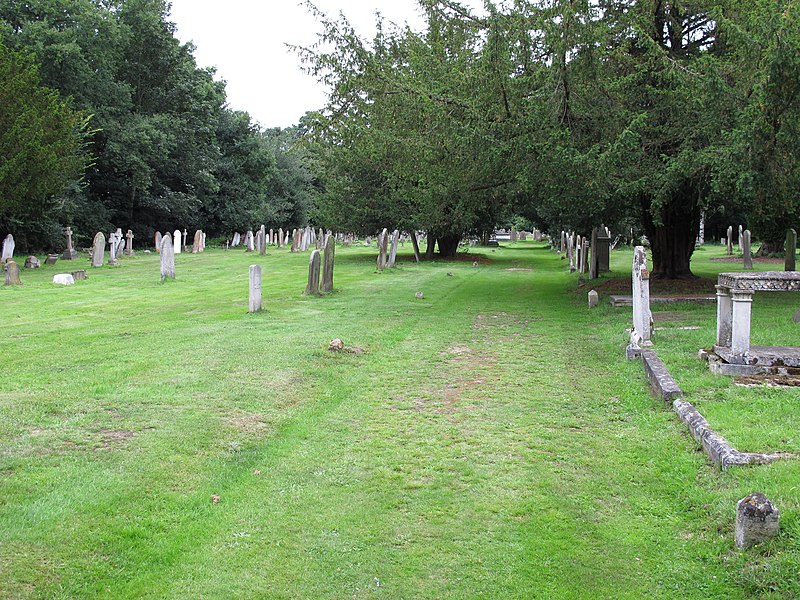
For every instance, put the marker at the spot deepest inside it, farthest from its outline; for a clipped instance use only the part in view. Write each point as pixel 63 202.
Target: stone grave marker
pixel 98 249
pixel 8 248
pixel 791 250
pixel 757 520
pixel 383 240
pixel 729 240
pixel 177 239
pixel 112 249
pixel 262 241
pixel 185 239
pixel 79 275
pixel 119 250
pixel 741 241
pixel 327 273
pixel 197 244
pixel 746 250
pixel 272 237
pixel 64 279
pixel 69 253
pixel 584 256
pixel 280 237
pixel 129 243
pixel 237 239
pixel 32 263
pixel 12 273
pixel 312 289
pixel 255 288
pixel 158 241
pixel 53 259
pixel 594 299
pixel 167 257
pixel 393 250
pixel 642 317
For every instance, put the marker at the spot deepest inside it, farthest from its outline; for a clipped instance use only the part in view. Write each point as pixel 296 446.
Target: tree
pixel 42 146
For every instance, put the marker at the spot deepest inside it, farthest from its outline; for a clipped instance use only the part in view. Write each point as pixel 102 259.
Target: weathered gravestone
pixel 584 255
pixel 571 253
pixel 70 253
pixel 312 289
pixel 741 241
pixel 167 258
pixel 177 241
pixel 594 299
pixel 197 243
pixel 746 250
pixel 64 279
pixel 603 251
pixel 112 249
pixel 98 249
pixel 52 259
pixel 186 238
pixel 757 520
pixel 32 263
pixel 158 241
pixel 262 241
pixel 271 239
pixel 383 240
pixel 642 317
pixel 8 248
pixel 791 250
pixel 729 240
pixel 280 237
pixel 129 243
pixel 237 239
pixel 327 273
pixel 393 250
pixel 415 245
pixel 12 273
pixel 295 240
pixel 255 288
pixel 78 275
pixel 119 250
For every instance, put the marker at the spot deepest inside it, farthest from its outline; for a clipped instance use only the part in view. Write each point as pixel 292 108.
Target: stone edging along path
pixel 714 445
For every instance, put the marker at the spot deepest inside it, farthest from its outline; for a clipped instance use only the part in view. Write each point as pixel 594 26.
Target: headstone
pixel 272 237
pixel 327 272
pixel 98 249
pixel 286 239
pixel 129 243
pixel 64 279
pixel 514 235
pixel 237 239
pixel 53 259
pixel 69 253
pixel 79 275
pixel 112 249
pixel 563 241
pixel 320 241
pixel 198 241
pixel 177 241
pixel 701 236
pixel 8 248
pixel 158 241
pixel 594 299
pixel 393 250
pixel 642 317
pixel 312 289
pixel 757 520
pixel 729 240
pixel 12 273
pixel 168 257
pixel 255 288
pixel 603 251
pixel 593 257
pixel 746 250
pixel 791 250
pixel 262 241
pixel 796 317
pixel 120 247
pixel 186 237
pixel 203 246
pixel 32 263
pixel 295 240
pixel 280 237
pixel 584 256
pixel 383 240
pixel 571 253
pixel 741 241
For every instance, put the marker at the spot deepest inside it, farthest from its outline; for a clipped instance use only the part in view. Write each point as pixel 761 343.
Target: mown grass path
pixel 491 441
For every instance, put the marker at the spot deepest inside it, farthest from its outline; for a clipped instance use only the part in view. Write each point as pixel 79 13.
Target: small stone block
pixel 63 279
pixel 757 520
pixel 51 259
pixel 79 275
pixel 594 299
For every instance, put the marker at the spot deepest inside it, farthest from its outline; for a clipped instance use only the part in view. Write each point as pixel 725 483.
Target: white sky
pixel 244 40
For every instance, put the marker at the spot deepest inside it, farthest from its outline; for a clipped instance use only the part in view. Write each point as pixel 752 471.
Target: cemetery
pixel 156 409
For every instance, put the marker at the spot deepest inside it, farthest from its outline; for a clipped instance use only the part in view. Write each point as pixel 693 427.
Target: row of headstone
pixel 179 241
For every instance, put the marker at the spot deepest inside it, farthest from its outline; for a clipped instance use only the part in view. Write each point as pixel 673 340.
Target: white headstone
pixel 98 249
pixel 642 317
pixel 64 279
pixel 8 248
pixel 255 288
pixel 177 241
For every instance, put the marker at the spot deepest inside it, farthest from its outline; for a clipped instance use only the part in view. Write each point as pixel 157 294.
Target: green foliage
pixel 42 146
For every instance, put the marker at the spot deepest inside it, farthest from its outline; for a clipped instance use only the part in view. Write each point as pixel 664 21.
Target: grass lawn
pixel 490 441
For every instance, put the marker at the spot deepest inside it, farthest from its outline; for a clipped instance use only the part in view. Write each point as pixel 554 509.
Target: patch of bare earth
pixel 113 438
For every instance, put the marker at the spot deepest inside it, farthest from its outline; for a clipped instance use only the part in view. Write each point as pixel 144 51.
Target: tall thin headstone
pixel 255 288
pixel 176 244
pixel 584 256
pixel 129 243
pixel 593 264
pixel 642 317
pixel 157 241
pixel 237 239
pixel 271 239
pixel 197 242
pixel 112 249
pixel 262 240
pixel 383 241
pixel 185 239
pixel 563 241
pixel 741 240
pixel 791 250
pixel 8 248
pixel 98 249
pixel 393 249
pixel 327 272
pixel 571 253
pixel 280 237
pixel 746 250
pixel 312 289
pixel 167 258
pixel 730 240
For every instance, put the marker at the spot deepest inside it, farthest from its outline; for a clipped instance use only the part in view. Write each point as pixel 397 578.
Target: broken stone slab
pixel 79 275
pixel 757 520
pixel 660 379
pixel 51 259
pixel 32 263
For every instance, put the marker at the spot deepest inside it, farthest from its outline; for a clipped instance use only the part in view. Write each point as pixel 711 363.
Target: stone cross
pixel 791 250
pixel 197 244
pixel 12 273
pixel 327 273
pixel 8 248
pixel 158 241
pixel 746 250
pixel 167 258
pixel 69 253
pixel 642 317
pixel 112 249
pixel 393 251
pixel 120 238
pixel 98 249
pixel 255 288
pixel 129 243
pixel 729 240
pixel 177 241
pixel 312 289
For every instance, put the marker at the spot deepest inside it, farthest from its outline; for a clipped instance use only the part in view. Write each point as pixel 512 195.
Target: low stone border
pixel 714 445
pixel 622 301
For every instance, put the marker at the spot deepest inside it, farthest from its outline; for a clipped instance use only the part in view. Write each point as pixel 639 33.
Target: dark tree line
pixel 160 146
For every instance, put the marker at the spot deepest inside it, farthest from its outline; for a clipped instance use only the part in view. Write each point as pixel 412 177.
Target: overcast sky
pixel 244 40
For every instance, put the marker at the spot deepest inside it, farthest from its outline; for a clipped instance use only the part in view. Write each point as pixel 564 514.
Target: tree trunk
pixel 415 244
pixel 448 245
pixel 431 246
pixel 768 248
pixel 673 240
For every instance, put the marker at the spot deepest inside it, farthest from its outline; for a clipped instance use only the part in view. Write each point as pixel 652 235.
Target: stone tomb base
pixel 759 360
